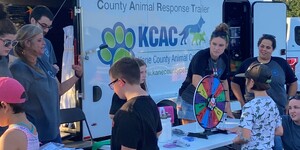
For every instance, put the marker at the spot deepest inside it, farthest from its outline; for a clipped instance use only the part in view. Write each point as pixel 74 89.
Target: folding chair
pixel 71 115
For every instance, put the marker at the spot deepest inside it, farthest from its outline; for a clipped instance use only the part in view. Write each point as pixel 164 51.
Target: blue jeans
pixel 277 143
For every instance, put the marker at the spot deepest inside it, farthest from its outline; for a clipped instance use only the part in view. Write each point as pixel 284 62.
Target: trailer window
pixel 297 35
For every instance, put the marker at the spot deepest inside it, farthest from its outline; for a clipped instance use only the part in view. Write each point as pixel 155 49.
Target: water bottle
pixel 166 134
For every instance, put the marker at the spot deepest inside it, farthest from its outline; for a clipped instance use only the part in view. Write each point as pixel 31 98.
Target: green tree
pixel 293 7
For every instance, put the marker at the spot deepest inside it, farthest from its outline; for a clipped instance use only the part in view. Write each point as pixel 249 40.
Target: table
pixel 213 141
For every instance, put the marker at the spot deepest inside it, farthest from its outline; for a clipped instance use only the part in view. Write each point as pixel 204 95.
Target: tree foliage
pixel 293 7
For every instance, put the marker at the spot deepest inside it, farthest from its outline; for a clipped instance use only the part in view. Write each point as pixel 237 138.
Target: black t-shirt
pixel 116 104
pixel 202 64
pixel 135 125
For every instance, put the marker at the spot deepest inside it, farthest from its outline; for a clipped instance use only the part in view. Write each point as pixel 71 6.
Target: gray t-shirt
pixel 291 134
pixel 42 105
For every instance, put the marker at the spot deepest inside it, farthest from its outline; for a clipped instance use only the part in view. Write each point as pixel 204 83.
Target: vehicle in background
pixel 293 45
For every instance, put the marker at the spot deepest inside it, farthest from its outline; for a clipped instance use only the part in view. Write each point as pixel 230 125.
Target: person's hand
pixel 230 115
pixel 178 107
pixel 78 69
pixel 234 130
pixel 56 67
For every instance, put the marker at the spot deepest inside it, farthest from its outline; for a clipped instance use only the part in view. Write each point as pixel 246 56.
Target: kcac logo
pixel 121 40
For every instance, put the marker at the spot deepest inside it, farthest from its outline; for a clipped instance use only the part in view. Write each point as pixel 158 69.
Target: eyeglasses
pixel 291 97
pixel 7 43
pixel 44 26
pixel 111 84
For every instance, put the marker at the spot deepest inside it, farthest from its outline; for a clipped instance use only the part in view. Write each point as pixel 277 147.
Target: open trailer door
pixel 270 18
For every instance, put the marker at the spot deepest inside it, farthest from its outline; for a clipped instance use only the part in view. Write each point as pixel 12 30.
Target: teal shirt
pixel 42 105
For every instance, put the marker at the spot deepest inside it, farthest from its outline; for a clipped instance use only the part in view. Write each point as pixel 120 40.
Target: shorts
pixel 186 111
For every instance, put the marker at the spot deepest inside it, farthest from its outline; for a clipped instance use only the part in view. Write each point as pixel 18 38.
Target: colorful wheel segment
pixel 209 102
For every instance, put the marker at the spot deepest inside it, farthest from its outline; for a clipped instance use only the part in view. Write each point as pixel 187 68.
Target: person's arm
pixel 66 85
pixel 111 116
pixel 13 136
pixel 227 104
pixel 279 131
pixel 236 89
pixel 243 136
pixel 198 65
pixel 293 88
pixel 196 79
pixel 158 133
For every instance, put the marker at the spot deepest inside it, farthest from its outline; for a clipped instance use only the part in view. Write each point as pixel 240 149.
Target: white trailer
pixel 293 45
pixel 165 34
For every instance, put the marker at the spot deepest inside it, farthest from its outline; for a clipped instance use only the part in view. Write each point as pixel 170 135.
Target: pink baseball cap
pixel 11 91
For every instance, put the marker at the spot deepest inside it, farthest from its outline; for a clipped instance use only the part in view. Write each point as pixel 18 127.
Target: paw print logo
pixel 120 42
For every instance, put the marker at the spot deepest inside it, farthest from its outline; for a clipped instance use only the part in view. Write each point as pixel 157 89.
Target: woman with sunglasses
pixel 7 41
pixel 282 75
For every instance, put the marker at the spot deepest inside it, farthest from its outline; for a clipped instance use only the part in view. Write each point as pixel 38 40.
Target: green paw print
pixel 120 42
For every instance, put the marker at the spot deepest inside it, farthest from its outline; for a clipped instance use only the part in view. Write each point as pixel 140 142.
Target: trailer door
pixel 270 18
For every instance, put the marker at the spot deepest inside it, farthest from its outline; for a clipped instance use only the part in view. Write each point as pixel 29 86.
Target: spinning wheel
pixel 209 103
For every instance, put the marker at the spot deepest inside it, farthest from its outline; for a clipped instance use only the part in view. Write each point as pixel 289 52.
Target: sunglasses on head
pixel 251 67
pixel 7 43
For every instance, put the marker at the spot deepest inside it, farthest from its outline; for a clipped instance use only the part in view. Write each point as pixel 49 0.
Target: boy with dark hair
pixel 42 17
pixel 137 124
pixel 260 120
pixel 291 125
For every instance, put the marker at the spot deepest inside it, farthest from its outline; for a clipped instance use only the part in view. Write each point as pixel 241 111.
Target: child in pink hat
pixel 21 134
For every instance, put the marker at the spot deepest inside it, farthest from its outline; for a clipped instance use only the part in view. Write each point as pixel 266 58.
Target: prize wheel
pixel 209 102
